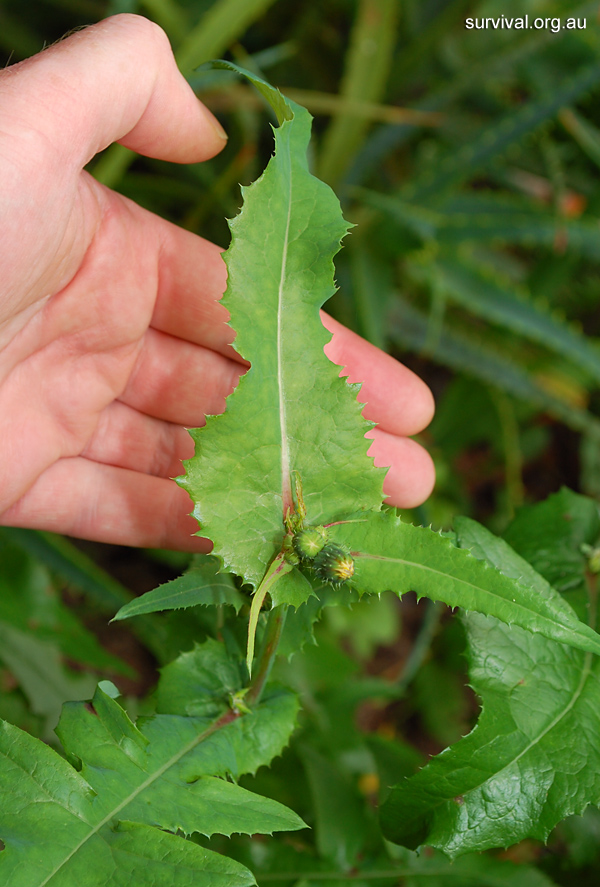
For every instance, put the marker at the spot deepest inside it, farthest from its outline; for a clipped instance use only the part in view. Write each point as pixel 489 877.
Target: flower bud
pixel 309 542
pixel 334 564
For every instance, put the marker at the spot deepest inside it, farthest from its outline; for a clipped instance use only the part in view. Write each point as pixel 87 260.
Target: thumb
pixel 114 81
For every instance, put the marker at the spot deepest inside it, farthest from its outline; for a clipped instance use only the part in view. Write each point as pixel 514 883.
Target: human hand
pixel 104 307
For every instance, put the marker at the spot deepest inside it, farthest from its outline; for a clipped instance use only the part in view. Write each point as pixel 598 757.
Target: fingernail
pixel 218 128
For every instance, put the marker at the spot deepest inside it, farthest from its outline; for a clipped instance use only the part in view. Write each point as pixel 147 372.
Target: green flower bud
pixel 334 564
pixel 309 542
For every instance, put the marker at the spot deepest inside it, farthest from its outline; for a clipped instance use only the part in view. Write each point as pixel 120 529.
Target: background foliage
pixel 469 160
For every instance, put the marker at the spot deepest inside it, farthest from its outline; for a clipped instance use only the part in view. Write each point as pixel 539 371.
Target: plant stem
pixel 513 455
pixel 421 645
pixel 267 654
pixel 277 568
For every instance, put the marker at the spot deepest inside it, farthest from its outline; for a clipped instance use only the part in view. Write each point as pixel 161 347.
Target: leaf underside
pixel 290 412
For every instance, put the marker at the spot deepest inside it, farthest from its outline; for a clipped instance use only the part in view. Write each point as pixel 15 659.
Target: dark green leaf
pixel 533 757
pixel 136 780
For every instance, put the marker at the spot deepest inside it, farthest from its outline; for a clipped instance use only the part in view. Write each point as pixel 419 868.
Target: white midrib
pixel 286 491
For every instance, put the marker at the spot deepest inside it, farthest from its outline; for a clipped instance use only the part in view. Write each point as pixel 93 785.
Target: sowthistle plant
pixel 282 485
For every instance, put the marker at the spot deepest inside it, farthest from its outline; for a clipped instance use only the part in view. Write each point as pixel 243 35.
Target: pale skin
pixel 105 307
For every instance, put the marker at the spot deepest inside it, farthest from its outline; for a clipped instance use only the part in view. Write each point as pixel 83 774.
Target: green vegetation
pixel 468 159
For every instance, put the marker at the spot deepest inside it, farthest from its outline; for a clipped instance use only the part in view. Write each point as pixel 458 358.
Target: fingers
pixel 178 381
pixel 128 439
pixel 411 474
pixel 191 282
pixel 114 81
pixel 395 397
pixel 88 500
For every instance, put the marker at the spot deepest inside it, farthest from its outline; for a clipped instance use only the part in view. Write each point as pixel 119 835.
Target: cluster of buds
pixel 310 546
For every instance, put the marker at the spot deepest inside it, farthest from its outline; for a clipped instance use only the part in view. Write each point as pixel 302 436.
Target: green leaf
pixel 585 133
pixel 483 292
pixel 434 870
pixel 364 80
pixel 342 823
pixel 221 25
pixel 37 666
pixel 392 555
pixel 105 817
pixel 291 411
pixel 533 757
pixel 408 328
pixel 530 230
pixel 368 624
pixel 161 859
pixel 80 571
pixel 394 867
pixel 31 603
pixel 459 164
pixel 63 558
pixel 550 536
pixel 203 584
pixel 496 551
pixel 450 227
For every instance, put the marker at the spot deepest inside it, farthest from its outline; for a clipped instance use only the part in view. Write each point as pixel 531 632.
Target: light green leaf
pixel 390 554
pixel 290 412
pixel 203 584
pixel 135 781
